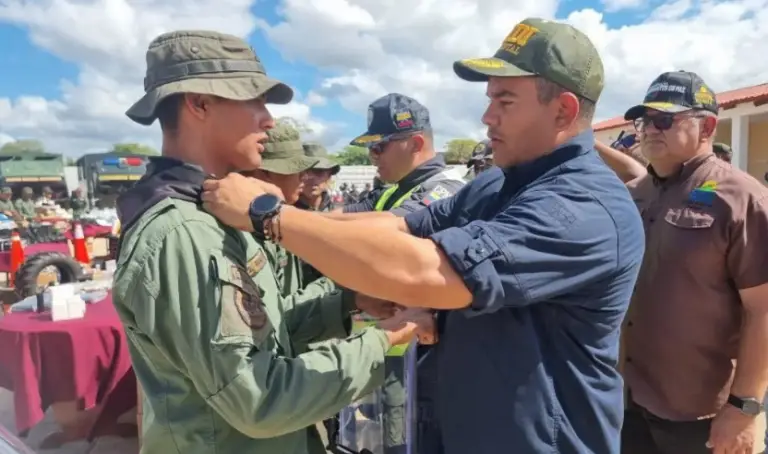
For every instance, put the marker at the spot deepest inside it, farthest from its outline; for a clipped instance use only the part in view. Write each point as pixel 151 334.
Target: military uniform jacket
pixel 26 208
pixel 211 337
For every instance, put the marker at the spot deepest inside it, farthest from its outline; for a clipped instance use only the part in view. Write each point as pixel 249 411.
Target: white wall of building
pixel 360 175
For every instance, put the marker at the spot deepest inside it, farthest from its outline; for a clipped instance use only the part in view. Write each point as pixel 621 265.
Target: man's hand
pixel 732 432
pixel 230 198
pixel 374 306
pixel 406 324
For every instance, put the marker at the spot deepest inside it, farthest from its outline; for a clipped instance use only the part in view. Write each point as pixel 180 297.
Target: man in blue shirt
pixel 536 259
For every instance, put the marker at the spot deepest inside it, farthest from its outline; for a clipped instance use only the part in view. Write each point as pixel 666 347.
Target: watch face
pixel 752 407
pixel 264 204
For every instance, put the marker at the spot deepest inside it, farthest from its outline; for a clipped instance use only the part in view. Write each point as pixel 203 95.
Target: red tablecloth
pixel 44 362
pixel 32 249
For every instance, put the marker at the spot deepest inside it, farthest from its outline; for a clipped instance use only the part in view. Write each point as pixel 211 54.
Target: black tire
pixel 26 276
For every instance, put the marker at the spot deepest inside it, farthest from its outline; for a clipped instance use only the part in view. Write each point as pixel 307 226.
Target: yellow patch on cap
pixel 369 139
pixel 483 63
pixel 659 105
pixel 704 96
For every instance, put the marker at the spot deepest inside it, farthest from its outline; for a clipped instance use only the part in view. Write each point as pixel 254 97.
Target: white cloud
pixel 413 53
pixel 366 48
pixel 618 5
pixel 107 39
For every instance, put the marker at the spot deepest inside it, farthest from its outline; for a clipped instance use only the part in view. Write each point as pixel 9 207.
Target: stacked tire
pixel 26 279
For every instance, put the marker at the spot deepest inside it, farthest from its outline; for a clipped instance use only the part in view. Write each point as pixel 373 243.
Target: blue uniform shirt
pixel 550 250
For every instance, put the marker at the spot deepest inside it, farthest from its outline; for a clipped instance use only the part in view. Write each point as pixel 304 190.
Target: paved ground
pixel 106 445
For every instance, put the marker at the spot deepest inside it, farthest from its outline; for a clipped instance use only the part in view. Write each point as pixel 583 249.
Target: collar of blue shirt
pixel 523 174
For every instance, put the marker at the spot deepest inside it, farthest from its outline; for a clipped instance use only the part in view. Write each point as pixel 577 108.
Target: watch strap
pixel 749 406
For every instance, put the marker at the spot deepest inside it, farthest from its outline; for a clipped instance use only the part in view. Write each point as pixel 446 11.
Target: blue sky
pixel 636 39
pixel 31 70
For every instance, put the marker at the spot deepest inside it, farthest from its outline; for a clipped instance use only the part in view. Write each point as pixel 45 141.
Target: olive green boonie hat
pixel 554 51
pixel 317 151
pixel 206 63
pixel 284 153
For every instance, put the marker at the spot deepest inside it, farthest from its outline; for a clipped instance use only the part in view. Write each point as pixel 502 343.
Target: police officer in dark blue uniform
pixel 535 260
pixel 401 145
pixel 400 142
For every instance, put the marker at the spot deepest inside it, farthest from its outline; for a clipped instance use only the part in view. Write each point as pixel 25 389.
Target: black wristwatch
pixel 747 405
pixel 262 209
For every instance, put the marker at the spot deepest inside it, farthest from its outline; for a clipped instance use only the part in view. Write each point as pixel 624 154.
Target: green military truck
pixel 33 169
pixel 107 175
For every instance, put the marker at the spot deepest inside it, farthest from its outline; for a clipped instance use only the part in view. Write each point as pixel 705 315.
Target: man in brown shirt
pixel 697 333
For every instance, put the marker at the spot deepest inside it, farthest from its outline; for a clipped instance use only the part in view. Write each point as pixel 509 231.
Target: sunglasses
pixel 379 147
pixel 660 122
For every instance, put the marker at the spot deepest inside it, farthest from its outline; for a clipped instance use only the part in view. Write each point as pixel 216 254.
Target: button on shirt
pixel 706 239
pixel 550 251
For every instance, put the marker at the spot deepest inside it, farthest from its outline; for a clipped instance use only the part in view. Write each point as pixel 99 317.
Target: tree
pixel 458 151
pixel 300 126
pixel 353 156
pixel 134 148
pixel 23 146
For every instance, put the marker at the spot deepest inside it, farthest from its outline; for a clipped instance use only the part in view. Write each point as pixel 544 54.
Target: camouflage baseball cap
pixel 317 151
pixel 676 92
pixel 284 153
pixel 203 62
pixel 6 190
pixel 552 50
pixel 27 190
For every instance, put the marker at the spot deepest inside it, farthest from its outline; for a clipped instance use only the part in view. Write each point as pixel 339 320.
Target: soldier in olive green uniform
pixel 284 164
pixel 6 205
pixel 211 338
pixel 25 206
pixel 315 195
pixel 77 204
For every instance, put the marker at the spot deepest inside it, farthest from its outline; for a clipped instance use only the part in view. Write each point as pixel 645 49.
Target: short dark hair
pixel 168 112
pixel 546 91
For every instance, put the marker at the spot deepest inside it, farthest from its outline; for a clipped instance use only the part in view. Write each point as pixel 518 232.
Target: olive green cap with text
pixel 552 50
pixel 206 63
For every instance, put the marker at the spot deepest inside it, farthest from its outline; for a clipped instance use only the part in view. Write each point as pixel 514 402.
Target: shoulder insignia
pixel 247 299
pixel 704 194
pixel 256 263
pixel 437 193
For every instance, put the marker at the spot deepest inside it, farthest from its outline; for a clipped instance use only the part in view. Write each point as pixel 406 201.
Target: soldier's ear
pixel 197 105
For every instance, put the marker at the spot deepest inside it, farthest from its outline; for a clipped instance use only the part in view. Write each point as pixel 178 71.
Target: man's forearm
pixel 341 216
pixel 368 256
pixel 625 166
pixel 371 219
pixel 751 378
